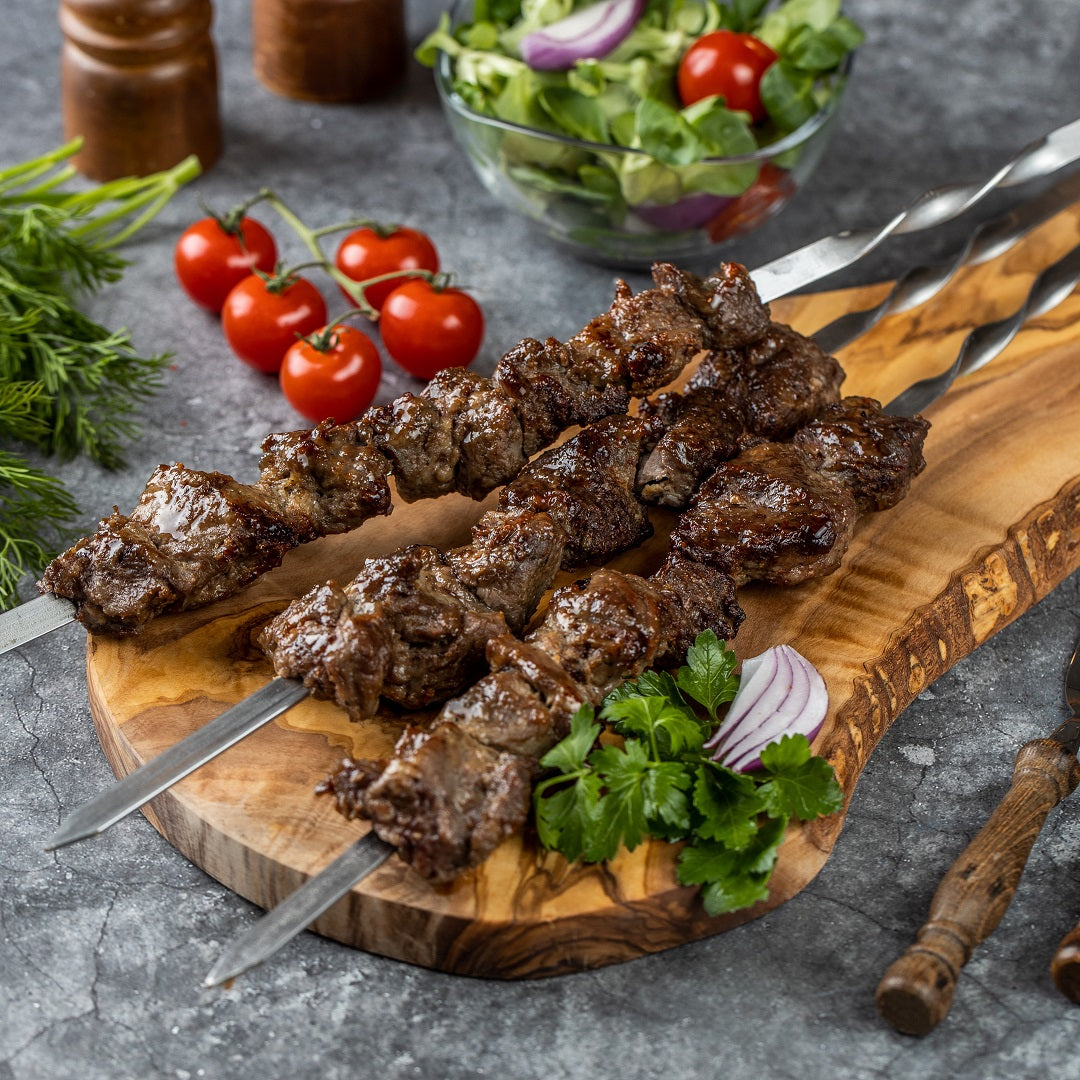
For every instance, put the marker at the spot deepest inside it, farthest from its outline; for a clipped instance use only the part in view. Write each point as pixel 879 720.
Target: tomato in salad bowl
pixel 637 130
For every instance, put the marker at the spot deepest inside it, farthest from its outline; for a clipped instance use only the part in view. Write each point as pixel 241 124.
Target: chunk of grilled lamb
pixel 873 454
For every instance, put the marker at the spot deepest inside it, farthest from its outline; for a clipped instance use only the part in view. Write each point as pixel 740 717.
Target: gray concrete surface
pixel 103 945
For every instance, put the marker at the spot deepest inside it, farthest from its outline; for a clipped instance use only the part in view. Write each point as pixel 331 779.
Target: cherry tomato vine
pixel 276 320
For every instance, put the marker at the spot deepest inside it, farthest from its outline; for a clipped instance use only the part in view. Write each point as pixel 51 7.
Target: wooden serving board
pixel 990 527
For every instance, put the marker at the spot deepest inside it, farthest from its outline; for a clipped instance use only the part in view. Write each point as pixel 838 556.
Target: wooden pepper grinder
pixel 329 50
pixel 139 83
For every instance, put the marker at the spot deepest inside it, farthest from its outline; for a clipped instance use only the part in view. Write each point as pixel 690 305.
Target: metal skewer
pixel 932 208
pixel 322 891
pixel 785 275
pixel 922 283
pixel 160 773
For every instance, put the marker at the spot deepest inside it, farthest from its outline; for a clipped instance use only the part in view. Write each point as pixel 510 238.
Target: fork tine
pixel 985 342
pixel 921 283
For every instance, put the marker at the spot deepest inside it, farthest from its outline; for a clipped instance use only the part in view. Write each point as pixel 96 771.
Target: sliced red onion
pixel 758 673
pixel 785 697
pixel 689 213
pixel 587 34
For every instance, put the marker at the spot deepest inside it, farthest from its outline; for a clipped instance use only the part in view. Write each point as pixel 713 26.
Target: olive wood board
pixel 990 527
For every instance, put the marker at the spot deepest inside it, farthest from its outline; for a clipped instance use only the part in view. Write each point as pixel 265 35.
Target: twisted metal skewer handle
pixel 922 283
pixel 932 208
pixel 1052 286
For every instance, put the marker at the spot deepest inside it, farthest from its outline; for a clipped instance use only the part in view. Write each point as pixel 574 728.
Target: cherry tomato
pixel 426 328
pixel 331 375
pixel 367 253
pixel 725 62
pixel 261 320
pixel 765 197
pixel 210 260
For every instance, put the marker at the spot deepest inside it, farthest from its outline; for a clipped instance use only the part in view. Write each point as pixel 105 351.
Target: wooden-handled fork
pixel 917 990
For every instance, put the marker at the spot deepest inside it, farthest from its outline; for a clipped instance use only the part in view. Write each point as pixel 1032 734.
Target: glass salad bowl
pixel 622 206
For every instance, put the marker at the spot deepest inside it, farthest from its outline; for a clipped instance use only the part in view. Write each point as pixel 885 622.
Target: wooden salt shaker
pixel 329 50
pixel 139 83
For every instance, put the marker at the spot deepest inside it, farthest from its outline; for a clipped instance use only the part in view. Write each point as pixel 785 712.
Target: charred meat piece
pixel 406 628
pixel 651 336
pixel 875 455
pixel 551 394
pixel 700 429
pixel 504 711
pixel 445 800
pixel 726 302
pixel 193 537
pixel 118 577
pixel 782 380
pixel 587 487
pixel 768 516
pixel 325 480
pixel 336 651
pixel 511 562
pixel 696 597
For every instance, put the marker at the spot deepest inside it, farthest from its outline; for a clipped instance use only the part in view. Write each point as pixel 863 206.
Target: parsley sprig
pixel 660 781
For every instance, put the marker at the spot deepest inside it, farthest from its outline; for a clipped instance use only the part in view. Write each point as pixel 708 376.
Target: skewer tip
pixel 70 832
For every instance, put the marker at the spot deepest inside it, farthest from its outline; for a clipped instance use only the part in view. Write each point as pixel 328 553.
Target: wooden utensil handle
pixel 1065 967
pixel 917 990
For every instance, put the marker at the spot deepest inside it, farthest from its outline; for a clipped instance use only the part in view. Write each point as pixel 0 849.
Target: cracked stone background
pixel 103 945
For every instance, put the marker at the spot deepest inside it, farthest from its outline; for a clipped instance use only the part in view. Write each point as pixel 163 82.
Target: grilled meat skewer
pixel 195 537
pixel 782 512
pixel 413 626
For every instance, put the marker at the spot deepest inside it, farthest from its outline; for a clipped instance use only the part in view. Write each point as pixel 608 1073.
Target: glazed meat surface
pixel 192 538
pixel 782 380
pixel 701 428
pixel 769 516
pixel 873 454
pixel 587 486
pixel 444 800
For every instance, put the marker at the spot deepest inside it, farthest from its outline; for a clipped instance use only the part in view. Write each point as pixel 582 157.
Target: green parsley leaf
pixel 666 804
pixel 709 675
pixel 670 727
pixel 799 784
pixel 565 819
pixel 729 805
pixel 621 817
pixel 569 755
pixel 732 879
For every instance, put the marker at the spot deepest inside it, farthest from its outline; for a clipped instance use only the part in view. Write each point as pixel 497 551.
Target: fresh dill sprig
pixel 68 385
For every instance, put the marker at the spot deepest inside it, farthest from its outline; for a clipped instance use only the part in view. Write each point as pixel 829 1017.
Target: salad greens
pixel 661 782
pixel 628 99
